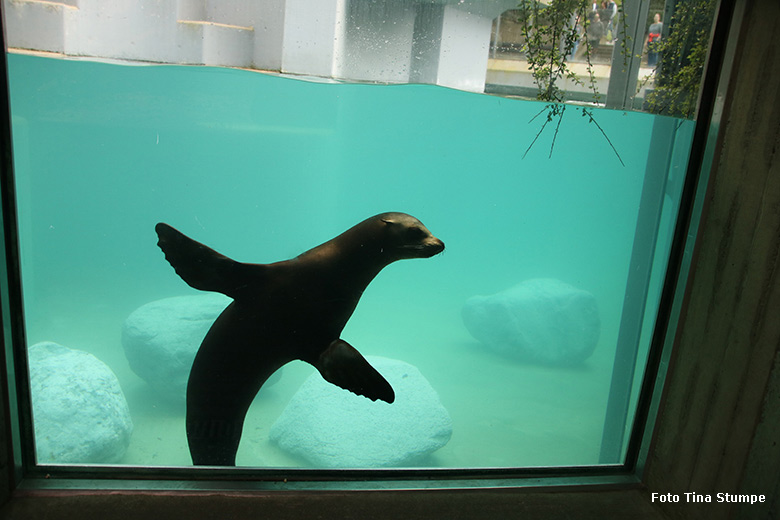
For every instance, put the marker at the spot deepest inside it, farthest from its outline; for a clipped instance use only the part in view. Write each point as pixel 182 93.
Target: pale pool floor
pixel 505 414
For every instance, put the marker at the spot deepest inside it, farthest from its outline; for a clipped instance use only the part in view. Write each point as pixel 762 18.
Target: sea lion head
pixel 406 237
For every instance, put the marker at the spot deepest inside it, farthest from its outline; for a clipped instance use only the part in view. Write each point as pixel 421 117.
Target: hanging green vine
pixel 683 55
pixel 552 29
pixel 551 33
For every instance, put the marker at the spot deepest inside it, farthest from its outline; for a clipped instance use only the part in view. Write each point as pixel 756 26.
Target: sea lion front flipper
pixel 342 365
pixel 202 267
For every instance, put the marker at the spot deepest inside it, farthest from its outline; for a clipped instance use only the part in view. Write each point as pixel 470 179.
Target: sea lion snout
pixel 438 246
pixel 433 247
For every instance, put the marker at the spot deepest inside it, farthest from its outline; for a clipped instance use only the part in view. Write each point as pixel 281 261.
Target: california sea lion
pixel 294 309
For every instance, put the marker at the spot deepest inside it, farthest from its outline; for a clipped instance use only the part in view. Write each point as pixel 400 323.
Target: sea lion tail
pixel 202 267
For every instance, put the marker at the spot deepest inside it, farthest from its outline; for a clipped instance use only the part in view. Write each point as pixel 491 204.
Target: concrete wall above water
pixel 443 42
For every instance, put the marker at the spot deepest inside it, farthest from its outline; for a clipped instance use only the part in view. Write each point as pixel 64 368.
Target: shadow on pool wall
pixel 262 168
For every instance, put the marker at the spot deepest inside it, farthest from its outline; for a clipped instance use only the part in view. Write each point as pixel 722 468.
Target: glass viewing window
pixel 530 346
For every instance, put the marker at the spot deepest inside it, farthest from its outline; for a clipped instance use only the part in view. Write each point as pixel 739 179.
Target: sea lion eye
pixel 416 233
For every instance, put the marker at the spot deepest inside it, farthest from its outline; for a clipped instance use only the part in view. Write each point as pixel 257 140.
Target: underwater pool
pixel 262 167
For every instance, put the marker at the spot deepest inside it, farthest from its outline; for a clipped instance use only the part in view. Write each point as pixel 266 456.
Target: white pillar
pixel 376 41
pixel 463 53
pixel 311 31
pixel 269 34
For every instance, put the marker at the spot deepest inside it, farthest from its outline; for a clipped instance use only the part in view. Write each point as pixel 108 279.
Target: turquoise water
pixel 262 168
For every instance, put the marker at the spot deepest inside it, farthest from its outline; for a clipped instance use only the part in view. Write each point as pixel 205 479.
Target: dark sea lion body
pixel 284 311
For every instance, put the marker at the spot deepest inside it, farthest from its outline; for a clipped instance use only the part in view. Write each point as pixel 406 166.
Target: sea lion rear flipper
pixel 342 365
pixel 202 267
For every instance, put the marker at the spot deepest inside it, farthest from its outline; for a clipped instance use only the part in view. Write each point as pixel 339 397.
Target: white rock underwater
pixel 161 339
pixel 331 428
pixel 79 411
pixel 541 320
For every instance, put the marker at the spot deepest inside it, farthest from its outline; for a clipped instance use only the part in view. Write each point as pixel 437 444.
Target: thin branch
pixel 546 107
pixel 592 120
pixel 555 135
pixel 537 136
